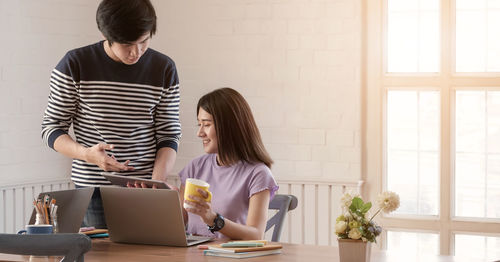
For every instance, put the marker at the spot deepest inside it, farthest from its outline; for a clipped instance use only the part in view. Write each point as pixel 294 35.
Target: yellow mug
pixel 191 188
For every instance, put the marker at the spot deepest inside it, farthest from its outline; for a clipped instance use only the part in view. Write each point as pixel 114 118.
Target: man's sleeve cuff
pixel 53 136
pixel 167 143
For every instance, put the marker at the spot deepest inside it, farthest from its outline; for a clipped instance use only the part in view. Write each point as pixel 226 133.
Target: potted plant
pixel 356 229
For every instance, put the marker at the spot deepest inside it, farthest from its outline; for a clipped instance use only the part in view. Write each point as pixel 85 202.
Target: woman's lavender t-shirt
pixel 231 187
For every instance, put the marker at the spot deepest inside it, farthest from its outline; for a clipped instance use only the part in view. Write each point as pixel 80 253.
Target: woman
pixel 237 167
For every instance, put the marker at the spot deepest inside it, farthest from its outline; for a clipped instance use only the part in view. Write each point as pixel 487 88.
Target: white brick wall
pixel 297 63
pixel 35 35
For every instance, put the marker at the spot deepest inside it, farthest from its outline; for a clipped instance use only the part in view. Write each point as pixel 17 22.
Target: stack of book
pixel 243 249
pixel 93 232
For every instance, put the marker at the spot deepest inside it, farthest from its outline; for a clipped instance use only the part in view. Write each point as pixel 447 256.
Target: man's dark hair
pixel 125 21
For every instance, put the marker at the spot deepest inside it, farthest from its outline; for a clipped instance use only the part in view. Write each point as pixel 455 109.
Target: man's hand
pixel 98 156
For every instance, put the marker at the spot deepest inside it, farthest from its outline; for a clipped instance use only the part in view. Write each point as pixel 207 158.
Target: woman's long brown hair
pixel 238 138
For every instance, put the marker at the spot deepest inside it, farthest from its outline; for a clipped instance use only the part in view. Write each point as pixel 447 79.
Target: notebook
pixel 220 248
pixel 72 206
pixel 146 216
pixel 242 254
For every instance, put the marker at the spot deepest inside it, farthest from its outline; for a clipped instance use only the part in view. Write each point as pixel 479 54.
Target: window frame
pixel 375 84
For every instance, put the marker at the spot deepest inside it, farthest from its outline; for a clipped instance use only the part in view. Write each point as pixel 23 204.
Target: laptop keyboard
pixel 195 238
pixel 191 238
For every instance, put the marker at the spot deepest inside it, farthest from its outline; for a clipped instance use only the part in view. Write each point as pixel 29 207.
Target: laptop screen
pixel 71 207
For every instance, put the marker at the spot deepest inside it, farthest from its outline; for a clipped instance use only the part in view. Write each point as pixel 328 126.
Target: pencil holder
pixel 55 224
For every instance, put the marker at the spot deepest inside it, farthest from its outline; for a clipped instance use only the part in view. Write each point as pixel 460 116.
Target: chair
pixel 71 246
pixel 282 203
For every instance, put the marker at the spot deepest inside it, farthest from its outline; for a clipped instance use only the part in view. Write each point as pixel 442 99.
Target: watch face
pixel 220 223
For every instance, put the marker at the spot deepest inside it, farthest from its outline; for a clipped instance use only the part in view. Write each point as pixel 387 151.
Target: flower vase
pixel 351 250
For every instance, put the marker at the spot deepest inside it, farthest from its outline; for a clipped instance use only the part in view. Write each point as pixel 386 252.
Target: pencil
pixel 46 214
pixel 45 209
pixel 36 206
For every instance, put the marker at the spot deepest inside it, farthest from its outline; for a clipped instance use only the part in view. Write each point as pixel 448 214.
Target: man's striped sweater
pixel 135 107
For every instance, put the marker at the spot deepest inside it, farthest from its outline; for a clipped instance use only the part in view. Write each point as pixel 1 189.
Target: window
pixel 484 247
pixel 478 36
pixel 413 36
pixel 413 243
pixel 432 122
pixel 413 150
pixel 477 154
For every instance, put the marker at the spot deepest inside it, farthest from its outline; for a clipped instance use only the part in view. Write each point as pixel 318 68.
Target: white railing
pixel 16 202
pixel 312 222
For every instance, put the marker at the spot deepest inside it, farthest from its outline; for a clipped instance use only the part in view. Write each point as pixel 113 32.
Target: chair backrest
pixel 71 245
pixel 282 203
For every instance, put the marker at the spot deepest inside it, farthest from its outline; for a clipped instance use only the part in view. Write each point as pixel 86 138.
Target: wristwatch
pixel 218 224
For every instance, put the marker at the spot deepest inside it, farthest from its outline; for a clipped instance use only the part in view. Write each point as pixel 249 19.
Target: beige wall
pixel 297 62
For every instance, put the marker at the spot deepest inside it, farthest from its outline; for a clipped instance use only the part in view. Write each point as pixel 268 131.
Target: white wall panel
pixel 16 202
pixel 310 225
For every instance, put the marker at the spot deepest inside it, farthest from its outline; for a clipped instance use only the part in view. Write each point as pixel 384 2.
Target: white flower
pixel 354 234
pixel 346 199
pixel 353 224
pixel 388 201
pixel 340 227
pixel 356 217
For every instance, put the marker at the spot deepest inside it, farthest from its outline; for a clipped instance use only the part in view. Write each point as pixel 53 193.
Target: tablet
pixel 120 180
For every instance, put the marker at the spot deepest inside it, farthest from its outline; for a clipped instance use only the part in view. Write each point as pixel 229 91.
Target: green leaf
pixel 356 204
pixel 343 235
pixel 366 207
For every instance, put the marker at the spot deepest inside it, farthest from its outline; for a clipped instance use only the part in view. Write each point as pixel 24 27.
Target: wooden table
pixel 105 250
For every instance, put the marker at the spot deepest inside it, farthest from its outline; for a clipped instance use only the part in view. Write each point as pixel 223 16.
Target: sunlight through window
pixel 413 150
pixel 477 247
pixel 477 153
pixel 478 36
pixel 413 36
pixel 413 243
pixel 440 122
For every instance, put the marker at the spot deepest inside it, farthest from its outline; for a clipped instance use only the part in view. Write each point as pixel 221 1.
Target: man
pixel 122 99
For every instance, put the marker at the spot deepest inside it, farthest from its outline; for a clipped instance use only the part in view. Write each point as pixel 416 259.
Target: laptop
pixel 146 216
pixel 71 204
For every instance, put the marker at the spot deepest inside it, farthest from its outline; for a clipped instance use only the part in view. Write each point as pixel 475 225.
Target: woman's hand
pixel 201 207
pixel 138 184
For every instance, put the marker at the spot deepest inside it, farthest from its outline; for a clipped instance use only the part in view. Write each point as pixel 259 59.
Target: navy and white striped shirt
pixel 135 107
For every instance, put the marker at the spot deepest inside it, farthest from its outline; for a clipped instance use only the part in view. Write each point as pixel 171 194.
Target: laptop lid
pixel 145 216
pixel 71 204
